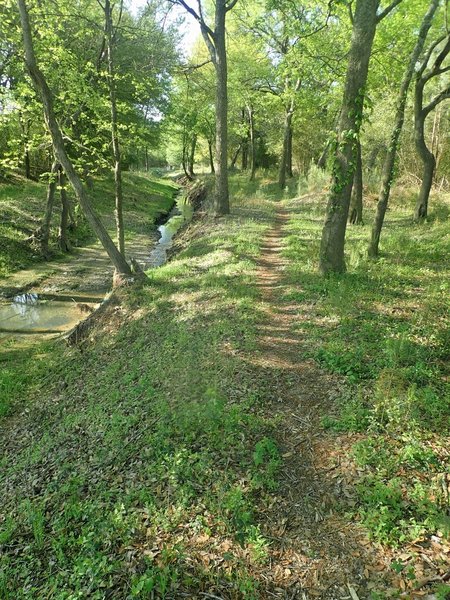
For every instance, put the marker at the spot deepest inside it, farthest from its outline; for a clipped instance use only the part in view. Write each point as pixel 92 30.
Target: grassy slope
pixel 22 204
pixel 140 457
pixel 384 327
pixel 144 471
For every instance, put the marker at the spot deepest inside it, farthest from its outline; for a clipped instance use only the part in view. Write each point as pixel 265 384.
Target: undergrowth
pixel 383 327
pixel 136 465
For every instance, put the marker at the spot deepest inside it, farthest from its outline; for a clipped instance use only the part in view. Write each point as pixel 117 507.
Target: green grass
pixel 22 204
pixel 142 463
pixel 148 453
pixel 383 326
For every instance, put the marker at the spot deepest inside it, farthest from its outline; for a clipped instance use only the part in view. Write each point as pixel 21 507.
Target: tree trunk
pixel 221 199
pixel 322 162
pixel 42 88
pixel 146 159
pixel 25 127
pixel 389 162
pixel 344 159
pixel 284 159
pixel 211 157
pixel 289 171
pixel 191 157
pixel 184 157
pixel 356 203
pixel 118 212
pixel 428 162
pixel 235 157
pixel 63 241
pixel 42 235
pixel 244 143
pixel 27 164
pixel 244 156
pixel 251 121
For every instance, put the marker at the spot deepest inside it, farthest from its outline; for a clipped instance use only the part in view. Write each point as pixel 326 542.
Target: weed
pixel 267 460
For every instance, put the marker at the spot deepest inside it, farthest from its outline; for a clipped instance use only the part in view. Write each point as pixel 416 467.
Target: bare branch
pixel 231 5
pixel 427 56
pixel 387 10
pixel 443 95
pixel 436 69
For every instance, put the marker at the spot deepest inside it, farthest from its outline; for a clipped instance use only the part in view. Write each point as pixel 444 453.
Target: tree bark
pixel 235 157
pixel 211 157
pixel 344 160
pixel 322 162
pixel 289 170
pixel 42 234
pixel 221 199
pixel 25 127
pixel 356 203
pixel 284 159
pixel 63 241
pixel 427 158
pixel 118 211
pixel 251 120
pixel 27 163
pixel 244 156
pixel 44 91
pixel 389 162
pixel 191 157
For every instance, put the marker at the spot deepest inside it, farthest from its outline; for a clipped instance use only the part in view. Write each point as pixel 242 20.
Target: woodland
pixel 224 299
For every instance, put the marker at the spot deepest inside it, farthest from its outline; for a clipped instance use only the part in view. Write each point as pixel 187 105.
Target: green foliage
pixel 267 461
pixel 382 327
pixel 134 460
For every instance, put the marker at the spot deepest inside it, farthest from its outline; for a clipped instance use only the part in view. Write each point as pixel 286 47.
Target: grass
pixel 22 204
pixel 141 464
pixel 383 327
pixel 145 468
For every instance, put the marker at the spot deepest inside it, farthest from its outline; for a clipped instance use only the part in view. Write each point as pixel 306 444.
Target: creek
pixel 44 313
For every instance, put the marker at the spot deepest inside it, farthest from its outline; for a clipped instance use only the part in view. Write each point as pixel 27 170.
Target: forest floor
pixel 241 427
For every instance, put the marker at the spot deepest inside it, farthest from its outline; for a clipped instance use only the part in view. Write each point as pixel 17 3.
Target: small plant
pixel 267 461
pixel 36 519
pixel 354 414
pixel 7 531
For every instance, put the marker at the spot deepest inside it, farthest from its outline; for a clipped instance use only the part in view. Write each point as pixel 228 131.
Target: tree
pixel 41 86
pixel 356 202
pixel 365 20
pixel 109 38
pixel 421 112
pixel 389 163
pixel 216 43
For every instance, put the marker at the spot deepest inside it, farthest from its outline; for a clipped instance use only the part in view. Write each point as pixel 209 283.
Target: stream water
pixel 51 314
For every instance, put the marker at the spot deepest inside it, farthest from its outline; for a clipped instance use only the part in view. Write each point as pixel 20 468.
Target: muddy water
pixel 37 313
pixel 32 313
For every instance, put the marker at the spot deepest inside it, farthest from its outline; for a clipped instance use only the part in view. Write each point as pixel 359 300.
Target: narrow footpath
pixel 314 547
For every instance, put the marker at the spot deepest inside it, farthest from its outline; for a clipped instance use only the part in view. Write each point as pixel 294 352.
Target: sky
pixel 189 29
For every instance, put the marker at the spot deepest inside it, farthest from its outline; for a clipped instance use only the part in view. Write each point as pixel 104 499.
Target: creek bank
pixel 54 302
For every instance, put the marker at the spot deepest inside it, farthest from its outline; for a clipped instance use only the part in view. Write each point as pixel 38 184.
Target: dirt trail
pixel 315 551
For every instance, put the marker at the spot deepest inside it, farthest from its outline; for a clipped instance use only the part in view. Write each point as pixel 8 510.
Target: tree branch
pixel 198 17
pixel 231 5
pixel 427 56
pixel 387 10
pixel 443 95
pixel 436 69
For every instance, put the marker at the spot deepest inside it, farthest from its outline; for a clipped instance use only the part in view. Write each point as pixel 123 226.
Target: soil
pixel 315 551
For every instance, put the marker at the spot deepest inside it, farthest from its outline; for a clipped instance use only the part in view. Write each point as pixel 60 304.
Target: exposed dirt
pixel 87 270
pixel 315 551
